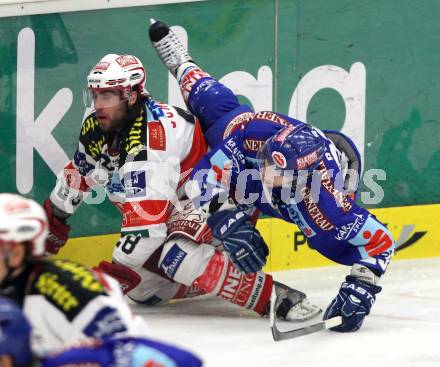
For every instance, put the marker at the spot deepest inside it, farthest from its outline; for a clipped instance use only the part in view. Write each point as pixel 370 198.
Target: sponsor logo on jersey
pixel 284 133
pixel 134 143
pixel 237 154
pixel 341 199
pixel 373 238
pixel 126 60
pixel 114 185
pixel 186 222
pixel 315 213
pixel 156 136
pixel 378 242
pixel 279 159
pixel 143 213
pixel 296 216
pixel 252 145
pixel 238 122
pixel 80 274
pixel 237 287
pixel 50 286
pixel 95 146
pixel 135 184
pixel 89 124
pixel 106 322
pixel 172 260
pixel 307 160
pixel 271 116
pixel 347 230
pixel 186 226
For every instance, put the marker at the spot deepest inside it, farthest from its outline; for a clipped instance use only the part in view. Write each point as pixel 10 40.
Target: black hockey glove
pixel 241 240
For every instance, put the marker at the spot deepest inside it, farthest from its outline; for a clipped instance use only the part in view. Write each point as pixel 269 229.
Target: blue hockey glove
pixel 241 240
pixel 353 303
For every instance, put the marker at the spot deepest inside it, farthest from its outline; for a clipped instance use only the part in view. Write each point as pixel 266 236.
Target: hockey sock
pixel 221 278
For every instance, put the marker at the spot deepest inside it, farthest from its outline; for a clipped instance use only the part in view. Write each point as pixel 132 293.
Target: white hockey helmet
pixel 22 220
pixel 122 72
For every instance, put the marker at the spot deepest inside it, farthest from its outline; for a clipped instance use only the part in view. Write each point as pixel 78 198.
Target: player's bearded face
pixel 111 109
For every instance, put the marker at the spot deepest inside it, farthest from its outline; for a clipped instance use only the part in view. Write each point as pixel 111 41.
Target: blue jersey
pixel 129 352
pixel 332 221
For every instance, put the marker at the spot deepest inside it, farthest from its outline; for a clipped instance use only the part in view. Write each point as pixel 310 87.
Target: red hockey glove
pixel 58 230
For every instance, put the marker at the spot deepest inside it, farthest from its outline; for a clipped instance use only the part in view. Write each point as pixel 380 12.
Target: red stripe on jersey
pixel 198 149
pixel 146 212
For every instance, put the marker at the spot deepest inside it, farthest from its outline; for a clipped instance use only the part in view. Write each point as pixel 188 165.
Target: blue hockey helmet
pixel 15 333
pixel 294 148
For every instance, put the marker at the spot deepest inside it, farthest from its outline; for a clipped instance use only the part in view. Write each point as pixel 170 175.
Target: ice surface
pixel 403 329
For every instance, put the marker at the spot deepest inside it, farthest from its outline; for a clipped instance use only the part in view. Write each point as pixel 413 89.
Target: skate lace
pixel 171 51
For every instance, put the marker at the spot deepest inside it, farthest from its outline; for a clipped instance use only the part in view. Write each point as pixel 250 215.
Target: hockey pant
pixel 183 268
pixel 203 267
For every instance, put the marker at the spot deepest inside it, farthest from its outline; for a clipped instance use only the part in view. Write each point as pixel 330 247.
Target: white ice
pixel 403 329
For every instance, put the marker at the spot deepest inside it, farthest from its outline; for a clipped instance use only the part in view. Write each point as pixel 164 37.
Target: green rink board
pixel 393 42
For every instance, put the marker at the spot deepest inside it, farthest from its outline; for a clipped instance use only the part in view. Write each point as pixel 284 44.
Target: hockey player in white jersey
pixel 65 302
pixel 146 150
pixel 15 348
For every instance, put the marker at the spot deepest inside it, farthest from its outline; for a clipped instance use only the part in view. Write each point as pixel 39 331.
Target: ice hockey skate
pixel 169 48
pixel 292 305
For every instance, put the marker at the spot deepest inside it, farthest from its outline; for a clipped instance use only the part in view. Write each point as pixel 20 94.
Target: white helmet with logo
pixel 122 72
pixel 22 220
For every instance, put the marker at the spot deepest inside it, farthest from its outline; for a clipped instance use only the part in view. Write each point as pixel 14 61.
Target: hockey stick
pixel 283 335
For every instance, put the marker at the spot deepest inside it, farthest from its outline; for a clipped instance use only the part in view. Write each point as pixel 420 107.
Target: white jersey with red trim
pixel 142 169
pixel 68 304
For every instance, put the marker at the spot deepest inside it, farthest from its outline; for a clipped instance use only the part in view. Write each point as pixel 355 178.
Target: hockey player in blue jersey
pixel 15 350
pixel 287 169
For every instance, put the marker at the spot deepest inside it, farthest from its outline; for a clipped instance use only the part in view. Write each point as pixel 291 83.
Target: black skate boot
pixel 170 50
pixel 292 305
